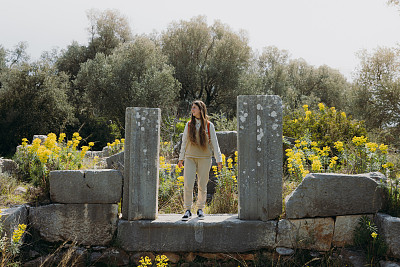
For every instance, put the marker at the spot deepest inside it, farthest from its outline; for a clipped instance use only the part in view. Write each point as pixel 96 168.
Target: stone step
pixel 216 233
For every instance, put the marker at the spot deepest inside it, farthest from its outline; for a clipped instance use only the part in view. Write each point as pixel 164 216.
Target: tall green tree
pixel 33 100
pixel 107 30
pixel 208 61
pixel 376 91
pixel 136 74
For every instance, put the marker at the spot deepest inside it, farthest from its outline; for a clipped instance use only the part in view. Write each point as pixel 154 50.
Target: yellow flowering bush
pixel 225 199
pixel 170 191
pixel 35 161
pixel 116 146
pixel 359 156
pixel 324 125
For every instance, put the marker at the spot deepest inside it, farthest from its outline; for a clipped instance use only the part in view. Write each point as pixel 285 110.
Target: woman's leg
pixel 189 174
pixel 203 172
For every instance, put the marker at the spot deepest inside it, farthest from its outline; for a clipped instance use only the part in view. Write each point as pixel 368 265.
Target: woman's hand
pixel 219 166
pixel 180 163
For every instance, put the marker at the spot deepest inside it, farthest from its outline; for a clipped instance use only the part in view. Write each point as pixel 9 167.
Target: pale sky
pixel 319 31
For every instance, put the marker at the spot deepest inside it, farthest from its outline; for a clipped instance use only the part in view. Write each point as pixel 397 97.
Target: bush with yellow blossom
pixel 324 125
pixel 225 198
pixel 170 192
pixel 159 261
pixel 10 245
pixel 36 160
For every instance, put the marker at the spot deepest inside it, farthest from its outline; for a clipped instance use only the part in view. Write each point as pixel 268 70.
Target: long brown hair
pixel 203 124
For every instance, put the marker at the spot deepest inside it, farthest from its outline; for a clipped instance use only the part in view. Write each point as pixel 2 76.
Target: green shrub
pixel 366 236
pixel 325 125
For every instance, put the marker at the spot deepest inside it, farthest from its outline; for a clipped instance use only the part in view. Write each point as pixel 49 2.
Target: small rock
pixel 94 257
pixel 172 257
pixel 284 251
pixel 355 258
pixel 115 257
pixel 212 256
pixel 98 248
pixel 185 264
pixel 388 264
pixel 33 254
pixel 314 254
pixel 190 257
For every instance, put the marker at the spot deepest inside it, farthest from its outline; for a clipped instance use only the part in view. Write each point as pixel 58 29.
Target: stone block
pixel 313 233
pixel 389 228
pixel 344 229
pixel 86 186
pixel 259 157
pixel 116 161
pixel 216 233
pixel 12 217
pixel 141 172
pixel 329 194
pixel 87 224
pixel 8 166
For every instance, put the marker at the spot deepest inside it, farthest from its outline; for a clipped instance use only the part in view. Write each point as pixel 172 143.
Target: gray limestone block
pixel 12 217
pixel 116 161
pixel 312 233
pixel 389 228
pixel 216 233
pixel 8 166
pixel 86 186
pixel 87 224
pixel 344 229
pixel 329 194
pixel 260 156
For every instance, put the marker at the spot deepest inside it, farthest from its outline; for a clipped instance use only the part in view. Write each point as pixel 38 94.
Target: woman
pixel 197 140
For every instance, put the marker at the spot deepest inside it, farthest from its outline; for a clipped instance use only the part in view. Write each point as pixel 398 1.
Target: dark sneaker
pixel 187 216
pixel 200 214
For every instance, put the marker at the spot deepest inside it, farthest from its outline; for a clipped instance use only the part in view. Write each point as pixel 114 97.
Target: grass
pixel 14 192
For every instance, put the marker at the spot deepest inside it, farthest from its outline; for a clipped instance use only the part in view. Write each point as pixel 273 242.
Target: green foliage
pixel 366 236
pixel 107 30
pixel 33 100
pixel 376 91
pixel 136 74
pixel 208 62
pixel 325 125
pixel 222 123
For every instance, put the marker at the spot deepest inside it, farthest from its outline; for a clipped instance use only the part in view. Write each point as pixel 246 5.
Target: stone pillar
pixel 260 157
pixel 142 139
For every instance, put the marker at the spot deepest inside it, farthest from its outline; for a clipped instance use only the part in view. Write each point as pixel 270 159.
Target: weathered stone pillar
pixel 142 139
pixel 260 157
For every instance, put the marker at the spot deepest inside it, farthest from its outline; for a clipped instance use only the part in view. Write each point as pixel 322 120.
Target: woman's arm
pixel 215 145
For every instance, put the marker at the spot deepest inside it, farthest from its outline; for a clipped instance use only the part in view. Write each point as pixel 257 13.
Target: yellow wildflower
pixel 333 109
pixel 61 137
pixel 339 146
pixel 313 143
pixel 371 146
pixel 316 165
pixel 374 235
pixel 359 141
pixel 343 115
pixel 17 234
pixel 91 144
pixel 305 107
pixel 383 148
pixel 321 106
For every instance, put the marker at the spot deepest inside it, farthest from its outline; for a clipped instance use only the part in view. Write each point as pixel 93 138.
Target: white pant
pixel 202 167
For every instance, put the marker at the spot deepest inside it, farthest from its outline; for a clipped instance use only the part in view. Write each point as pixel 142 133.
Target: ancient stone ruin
pixel 321 213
